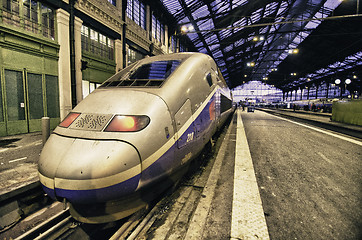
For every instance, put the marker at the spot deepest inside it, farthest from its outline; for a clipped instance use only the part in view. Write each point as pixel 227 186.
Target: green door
pixel 16 121
pixel 27 98
pixel 35 101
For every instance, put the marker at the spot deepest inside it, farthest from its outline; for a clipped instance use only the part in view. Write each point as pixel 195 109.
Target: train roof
pixel 152 71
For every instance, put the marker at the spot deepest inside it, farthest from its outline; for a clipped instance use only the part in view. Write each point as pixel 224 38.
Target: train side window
pixel 209 79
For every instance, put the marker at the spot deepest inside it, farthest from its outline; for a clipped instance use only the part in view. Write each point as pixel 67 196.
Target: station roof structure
pixel 290 44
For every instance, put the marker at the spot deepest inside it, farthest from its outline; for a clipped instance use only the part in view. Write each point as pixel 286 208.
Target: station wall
pixel 348 112
pixel 29 81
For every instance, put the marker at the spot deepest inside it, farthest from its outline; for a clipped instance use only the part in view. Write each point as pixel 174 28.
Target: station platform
pixel 319 119
pixel 19 156
pixel 273 178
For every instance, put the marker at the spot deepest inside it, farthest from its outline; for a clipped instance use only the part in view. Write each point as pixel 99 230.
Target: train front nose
pixel 85 170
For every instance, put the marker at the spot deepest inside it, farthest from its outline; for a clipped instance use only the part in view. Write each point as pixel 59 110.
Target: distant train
pixel 316 105
pixel 134 136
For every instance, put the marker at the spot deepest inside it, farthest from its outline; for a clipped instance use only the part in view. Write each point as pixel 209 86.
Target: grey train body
pixel 134 133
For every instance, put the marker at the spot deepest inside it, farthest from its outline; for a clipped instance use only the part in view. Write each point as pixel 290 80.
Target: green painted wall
pixel 97 70
pixel 26 54
pixel 348 112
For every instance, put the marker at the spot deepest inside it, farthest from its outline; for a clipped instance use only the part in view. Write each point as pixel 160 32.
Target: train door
pixel 185 133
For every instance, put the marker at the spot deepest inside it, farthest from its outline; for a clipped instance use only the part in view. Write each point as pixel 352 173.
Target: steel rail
pixel 43 230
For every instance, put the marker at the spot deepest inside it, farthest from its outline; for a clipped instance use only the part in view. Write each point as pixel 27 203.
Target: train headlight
pixel 125 123
pixel 69 119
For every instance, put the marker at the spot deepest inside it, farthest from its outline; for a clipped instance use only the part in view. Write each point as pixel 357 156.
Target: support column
pixel 124 26
pixel 118 54
pixel 296 92
pixel 65 98
pixel 327 89
pixel 166 39
pixel 308 93
pixel 316 91
pixel 78 58
pixel 149 22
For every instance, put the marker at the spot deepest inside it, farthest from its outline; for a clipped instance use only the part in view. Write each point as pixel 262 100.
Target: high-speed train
pixel 134 135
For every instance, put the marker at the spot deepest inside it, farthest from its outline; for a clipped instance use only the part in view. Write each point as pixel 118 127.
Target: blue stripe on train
pixel 158 168
pixel 96 195
pixel 172 159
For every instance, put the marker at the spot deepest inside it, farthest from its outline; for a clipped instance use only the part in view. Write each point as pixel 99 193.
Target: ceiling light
pixel 293 51
pixel 338 81
pixel 183 29
pixel 348 81
pixel 250 64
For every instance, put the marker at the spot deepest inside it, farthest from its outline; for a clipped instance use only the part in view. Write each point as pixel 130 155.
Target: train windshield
pixel 151 74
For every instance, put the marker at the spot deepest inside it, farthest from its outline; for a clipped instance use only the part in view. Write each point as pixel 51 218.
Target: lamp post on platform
pixel 344 86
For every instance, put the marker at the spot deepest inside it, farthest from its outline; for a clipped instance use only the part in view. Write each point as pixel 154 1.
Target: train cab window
pixel 151 74
pixel 209 79
pixel 155 70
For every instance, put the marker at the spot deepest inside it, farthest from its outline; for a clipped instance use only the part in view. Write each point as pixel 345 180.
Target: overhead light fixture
pixel 293 74
pixel 354 76
pixel 293 51
pixel 258 38
pixel 265 78
pixel 183 29
pixel 338 81
pixel 250 64
pixel 348 81
pixel 186 29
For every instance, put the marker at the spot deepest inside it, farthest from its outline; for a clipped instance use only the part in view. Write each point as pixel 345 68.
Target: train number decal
pixel 190 137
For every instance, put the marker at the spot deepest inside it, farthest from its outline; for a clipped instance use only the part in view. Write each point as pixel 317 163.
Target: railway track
pixel 140 225
pixel 53 227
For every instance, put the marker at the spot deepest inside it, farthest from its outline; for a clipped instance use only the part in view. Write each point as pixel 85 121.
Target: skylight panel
pixel 332 4
pixel 283 7
pixel 236 3
pixel 207 25
pixel 189 2
pixel 213 47
pixel 230 58
pixel 221 9
pixel 239 42
pixel 201 12
pixel 270 9
pixel 225 33
pixel 256 15
pixel 229 48
pixel 218 54
pixel 172 6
